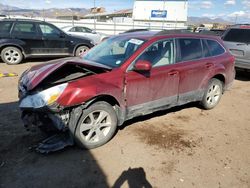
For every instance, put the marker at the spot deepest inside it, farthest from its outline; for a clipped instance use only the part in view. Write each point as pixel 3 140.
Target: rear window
pixel 238 35
pixel 190 49
pixel 215 48
pixel 5 27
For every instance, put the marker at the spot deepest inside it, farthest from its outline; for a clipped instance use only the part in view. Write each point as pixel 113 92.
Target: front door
pixel 54 40
pixel 149 91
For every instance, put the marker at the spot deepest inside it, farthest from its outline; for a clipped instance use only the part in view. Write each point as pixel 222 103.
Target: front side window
pixel 238 35
pixel 215 48
pixel 5 27
pixel 160 53
pixel 25 29
pixel 81 29
pixel 73 29
pixel 48 30
pixel 114 51
pixel 191 49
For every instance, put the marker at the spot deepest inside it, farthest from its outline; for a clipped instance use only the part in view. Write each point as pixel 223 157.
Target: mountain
pixel 205 20
pixel 50 13
pixel 7 7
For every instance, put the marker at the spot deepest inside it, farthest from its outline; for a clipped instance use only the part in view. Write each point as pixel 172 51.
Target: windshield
pixel 114 51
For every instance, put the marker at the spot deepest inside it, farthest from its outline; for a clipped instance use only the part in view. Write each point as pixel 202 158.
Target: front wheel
pixel 81 50
pixel 11 55
pixel 212 94
pixel 96 126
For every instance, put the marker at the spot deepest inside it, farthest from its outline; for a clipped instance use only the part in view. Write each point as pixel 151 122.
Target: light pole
pixel 236 17
pixel 94 16
pixel 72 13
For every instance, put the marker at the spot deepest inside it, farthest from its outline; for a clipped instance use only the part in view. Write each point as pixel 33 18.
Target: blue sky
pixel 227 9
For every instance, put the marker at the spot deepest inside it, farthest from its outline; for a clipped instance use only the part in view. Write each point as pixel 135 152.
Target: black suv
pixel 20 38
pixel 237 40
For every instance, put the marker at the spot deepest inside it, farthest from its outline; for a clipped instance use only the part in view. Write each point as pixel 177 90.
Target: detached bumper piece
pixel 54 125
pixel 55 143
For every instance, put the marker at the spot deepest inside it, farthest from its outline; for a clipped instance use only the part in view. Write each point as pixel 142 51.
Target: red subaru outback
pixel 125 76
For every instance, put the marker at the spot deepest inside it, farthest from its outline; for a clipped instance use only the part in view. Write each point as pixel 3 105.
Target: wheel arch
pixel 120 111
pixel 78 45
pixel 222 78
pixel 12 45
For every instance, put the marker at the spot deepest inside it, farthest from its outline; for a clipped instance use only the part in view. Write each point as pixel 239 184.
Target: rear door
pixel 147 91
pixel 237 41
pixel 193 68
pixel 27 32
pixel 55 41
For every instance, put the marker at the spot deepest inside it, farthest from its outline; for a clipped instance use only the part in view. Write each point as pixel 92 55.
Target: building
pixel 167 11
pixel 97 10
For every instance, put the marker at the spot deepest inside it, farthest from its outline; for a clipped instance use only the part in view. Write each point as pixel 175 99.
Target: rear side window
pixel 215 48
pixel 238 35
pixel 25 29
pixel 5 27
pixel 205 49
pixel 190 49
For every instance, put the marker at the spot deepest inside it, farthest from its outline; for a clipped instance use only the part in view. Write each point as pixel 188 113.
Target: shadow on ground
pixel 135 177
pixel 242 75
pixel 21 167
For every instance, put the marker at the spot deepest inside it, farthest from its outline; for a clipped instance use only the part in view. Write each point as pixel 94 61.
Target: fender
pixel 13 42
pixel 219 69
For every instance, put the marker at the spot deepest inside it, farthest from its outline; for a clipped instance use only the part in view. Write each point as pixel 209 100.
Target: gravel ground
pixel 181 147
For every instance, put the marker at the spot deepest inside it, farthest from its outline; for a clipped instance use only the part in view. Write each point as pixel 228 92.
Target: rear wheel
pixel 212 94
pixel 11 55
pixel 96 126
pixel 81 50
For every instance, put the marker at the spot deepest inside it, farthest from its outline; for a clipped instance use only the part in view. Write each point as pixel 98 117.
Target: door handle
pixel 173 73
pixel 209 65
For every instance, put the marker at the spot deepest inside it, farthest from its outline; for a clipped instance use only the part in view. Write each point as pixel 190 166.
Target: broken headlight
pixel 43 98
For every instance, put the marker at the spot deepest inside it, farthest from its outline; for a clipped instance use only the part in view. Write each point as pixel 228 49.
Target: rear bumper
pixel 242 64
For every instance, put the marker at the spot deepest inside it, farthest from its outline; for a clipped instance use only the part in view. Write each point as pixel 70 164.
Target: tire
pixel 91 132
pixel 11 55
pixel 212 94
pixel 81 50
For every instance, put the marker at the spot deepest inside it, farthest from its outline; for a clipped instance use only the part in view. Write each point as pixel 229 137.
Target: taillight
pixel 232 59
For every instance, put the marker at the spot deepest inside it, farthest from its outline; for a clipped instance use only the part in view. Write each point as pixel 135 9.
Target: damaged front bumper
pixel 54 124
pixel 46 121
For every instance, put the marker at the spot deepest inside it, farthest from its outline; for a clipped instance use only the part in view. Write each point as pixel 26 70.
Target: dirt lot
pixel 181 147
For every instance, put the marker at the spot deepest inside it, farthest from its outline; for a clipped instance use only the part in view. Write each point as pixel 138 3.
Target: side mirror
pixel 142 65
pixel 62 35
pixel 93 32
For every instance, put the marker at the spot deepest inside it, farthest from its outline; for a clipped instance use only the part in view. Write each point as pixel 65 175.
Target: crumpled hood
pixel 36 74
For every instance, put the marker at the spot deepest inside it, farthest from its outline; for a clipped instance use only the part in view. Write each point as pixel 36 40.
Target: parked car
pixel 125 76
pixel 237 40
pixel 135 30
pixel 199 29
pixel 85 32
pixel 218 32
pixel 25 38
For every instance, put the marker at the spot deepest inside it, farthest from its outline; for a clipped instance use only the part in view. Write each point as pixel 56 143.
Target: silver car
pixel 85 32
pixel 237 40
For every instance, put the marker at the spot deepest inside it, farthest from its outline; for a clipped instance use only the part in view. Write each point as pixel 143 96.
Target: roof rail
pixel 21 19
pixel 173 31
